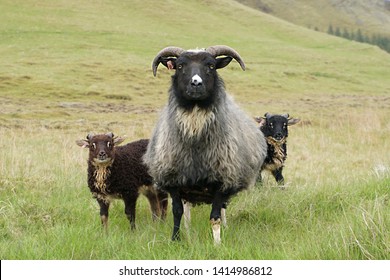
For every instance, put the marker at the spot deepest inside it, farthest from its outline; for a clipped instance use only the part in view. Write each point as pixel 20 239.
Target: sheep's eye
pixel 211 66
pixel 271 125
pixel 180 66
pixel 94 145
pixel 108 144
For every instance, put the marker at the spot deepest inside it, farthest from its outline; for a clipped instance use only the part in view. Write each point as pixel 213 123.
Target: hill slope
pixel 82 49
pixel 370 16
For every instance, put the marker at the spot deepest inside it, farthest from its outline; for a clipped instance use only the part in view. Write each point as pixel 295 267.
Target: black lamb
pixel 118 172
pixel 274 128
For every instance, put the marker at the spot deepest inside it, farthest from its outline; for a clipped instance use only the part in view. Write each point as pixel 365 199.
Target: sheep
pixel 118 172
pixel 204 148
pixel 274 128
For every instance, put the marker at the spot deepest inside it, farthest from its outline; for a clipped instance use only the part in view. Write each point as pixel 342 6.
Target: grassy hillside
pixel 370 16
pixel 71 67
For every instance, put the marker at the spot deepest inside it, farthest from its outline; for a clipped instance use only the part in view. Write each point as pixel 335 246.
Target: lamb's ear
pixel 118 140
pixel 82 143
pixel 170 62
pixel 260 120
pixel 293 121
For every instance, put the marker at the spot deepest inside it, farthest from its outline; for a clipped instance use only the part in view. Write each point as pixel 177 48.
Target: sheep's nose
pixel 278 135
pixel 102 153
pixel 196 80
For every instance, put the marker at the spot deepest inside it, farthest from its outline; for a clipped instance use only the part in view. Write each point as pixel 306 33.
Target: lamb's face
pixel 101 148
pixel 276 127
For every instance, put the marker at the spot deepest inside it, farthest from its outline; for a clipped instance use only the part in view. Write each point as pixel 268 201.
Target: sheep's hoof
pixel 216 226
pixel 176 237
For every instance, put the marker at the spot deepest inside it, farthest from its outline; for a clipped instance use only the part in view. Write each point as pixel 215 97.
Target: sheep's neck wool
pixel 193 122
pixel 101 174
pixel 279 153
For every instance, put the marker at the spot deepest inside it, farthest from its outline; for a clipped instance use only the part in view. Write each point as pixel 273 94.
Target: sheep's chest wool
pixel 195 122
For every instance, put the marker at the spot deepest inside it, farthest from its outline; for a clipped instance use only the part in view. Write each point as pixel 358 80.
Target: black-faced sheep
pixel 119 172
pixel 274 128
pixel 204 148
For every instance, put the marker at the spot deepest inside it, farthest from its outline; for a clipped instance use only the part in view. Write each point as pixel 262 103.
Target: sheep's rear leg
pixel 130 204
pixel 223 214
pixel 163 203
pixel 187 215
pixel 104 205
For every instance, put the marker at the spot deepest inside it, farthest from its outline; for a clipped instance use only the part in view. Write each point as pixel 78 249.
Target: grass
pixel 71 67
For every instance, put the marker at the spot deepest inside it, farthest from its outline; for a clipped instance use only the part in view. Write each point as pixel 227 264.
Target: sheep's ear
pixel 293 121
pixel 223 62
pixel 170 62
pixel 118 140
pixel 83 143
pixel 260 120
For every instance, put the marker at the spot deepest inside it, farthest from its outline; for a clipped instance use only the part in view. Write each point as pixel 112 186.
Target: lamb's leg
pixel 130 203
pixel 278 177
pixel 177 210
pixel 104 205
pixel 215 216
pixel 154 203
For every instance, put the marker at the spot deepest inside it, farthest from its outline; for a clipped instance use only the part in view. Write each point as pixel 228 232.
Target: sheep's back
pixel 128 170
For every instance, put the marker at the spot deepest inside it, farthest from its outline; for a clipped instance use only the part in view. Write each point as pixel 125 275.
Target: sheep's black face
pixel 275 127
pixel 101 148
pixel 196 79
pixel 195 76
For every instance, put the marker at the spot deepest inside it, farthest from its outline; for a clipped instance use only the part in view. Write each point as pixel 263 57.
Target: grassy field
pixel 72 67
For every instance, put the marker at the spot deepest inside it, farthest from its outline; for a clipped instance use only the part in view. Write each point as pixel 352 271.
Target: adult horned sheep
pixel 204 149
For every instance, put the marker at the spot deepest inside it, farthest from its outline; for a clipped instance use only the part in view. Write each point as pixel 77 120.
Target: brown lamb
pixel 117 172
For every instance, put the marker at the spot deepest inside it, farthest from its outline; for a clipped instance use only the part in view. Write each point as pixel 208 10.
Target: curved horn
pixel 110 134
pixel 267 115
pixel 228 51
pixel 166 52
pixel 90 135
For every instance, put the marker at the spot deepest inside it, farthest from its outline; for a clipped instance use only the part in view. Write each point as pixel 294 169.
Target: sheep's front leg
pixel 104 205
pixel 215 216
pixel 177 210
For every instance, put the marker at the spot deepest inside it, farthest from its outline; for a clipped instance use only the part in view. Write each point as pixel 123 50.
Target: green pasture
pixel 70 67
